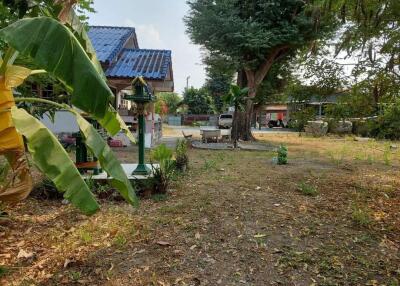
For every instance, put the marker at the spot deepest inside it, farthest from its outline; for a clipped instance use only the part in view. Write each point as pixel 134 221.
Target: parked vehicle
pixel 225 121
pixel 277 123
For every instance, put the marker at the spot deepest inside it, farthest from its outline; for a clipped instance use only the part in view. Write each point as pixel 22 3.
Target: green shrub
pixel 161 153
pixel 163 174
pixel 301 117
pixel 388 124
pixel 282 155
pixel 182 159
pixel 364 128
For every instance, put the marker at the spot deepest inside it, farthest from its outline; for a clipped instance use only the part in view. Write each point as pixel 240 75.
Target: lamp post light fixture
pixel 141 96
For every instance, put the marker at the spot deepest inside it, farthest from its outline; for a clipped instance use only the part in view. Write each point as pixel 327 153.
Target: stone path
pixel 229 146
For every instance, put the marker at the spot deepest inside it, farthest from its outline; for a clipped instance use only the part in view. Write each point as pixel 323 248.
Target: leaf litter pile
pixel 329 217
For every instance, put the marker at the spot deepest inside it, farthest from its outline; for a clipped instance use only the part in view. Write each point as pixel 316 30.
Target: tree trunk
pixel 252 79
pixel 242 119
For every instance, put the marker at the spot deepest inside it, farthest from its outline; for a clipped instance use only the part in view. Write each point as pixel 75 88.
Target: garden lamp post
pixel 141 96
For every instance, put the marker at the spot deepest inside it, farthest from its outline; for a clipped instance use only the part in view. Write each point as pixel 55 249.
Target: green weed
pixel 85 236
pixel 159 197
pixel 307 190
pixel 120 240
pixel 75 275
pixel 172 209
pixel 361 216
pixel 209 165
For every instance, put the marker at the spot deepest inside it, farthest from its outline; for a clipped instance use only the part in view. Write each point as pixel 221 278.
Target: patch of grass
pixel 307 189
pixel 85 236
pixel 209 165
pixel 361 216
pixel 75 275
pixel 3 271
pixel 172 209
pixel 365 239
pixel 387 156
pixel 159 197
pixel 163 221
pixel 291 259
pixel 28 282
pixel 119 240
pixel 220 156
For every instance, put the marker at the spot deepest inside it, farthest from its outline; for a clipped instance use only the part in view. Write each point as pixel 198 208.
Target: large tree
pixel 254 34
pixel 363 57
pixel 371 35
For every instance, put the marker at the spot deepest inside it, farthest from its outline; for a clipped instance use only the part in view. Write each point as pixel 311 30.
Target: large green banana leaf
pixel 51 158
pixel 79 30
pixel 107 159
pixel 53 47
pixel 113 123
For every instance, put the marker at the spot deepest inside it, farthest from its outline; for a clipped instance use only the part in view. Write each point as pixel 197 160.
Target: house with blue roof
pixel 122 60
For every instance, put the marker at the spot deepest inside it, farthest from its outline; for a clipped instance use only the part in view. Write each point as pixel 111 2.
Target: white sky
pixel 159 25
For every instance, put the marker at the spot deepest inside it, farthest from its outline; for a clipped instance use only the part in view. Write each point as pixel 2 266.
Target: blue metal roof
pixel 151 64
pixel 109 41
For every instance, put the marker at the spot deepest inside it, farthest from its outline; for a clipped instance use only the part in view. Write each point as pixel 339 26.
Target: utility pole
pixel 187 82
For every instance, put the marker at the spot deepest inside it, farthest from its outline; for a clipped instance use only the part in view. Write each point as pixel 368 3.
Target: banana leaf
pixel 70 64
pixel 113 123
pixel 53 47
pixel 107 159
pixel 79 29
pixel 51 158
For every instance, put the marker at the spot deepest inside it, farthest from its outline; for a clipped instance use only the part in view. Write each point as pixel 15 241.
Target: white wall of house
pixel 64 122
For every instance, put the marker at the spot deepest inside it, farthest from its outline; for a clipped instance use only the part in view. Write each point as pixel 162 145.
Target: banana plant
pixel 55 48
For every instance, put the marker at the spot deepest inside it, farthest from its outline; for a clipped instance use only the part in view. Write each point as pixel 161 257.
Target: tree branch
pixel 265 67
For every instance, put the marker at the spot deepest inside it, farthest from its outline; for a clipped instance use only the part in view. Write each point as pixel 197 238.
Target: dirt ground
pixel 329 217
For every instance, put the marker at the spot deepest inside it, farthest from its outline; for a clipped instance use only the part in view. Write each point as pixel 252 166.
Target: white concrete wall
pixel 64 121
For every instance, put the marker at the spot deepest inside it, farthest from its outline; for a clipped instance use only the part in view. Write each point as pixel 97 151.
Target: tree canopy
pixel 198 101
pixel 170 100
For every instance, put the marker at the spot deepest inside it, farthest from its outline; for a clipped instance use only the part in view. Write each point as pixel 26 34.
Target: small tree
pixel 171 100
pixel 197 100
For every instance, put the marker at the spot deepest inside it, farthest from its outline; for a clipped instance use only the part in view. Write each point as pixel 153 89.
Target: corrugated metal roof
pixel 151 64
pixel 109 41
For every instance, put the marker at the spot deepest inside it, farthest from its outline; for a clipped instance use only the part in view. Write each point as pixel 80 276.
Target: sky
pixel 159 25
